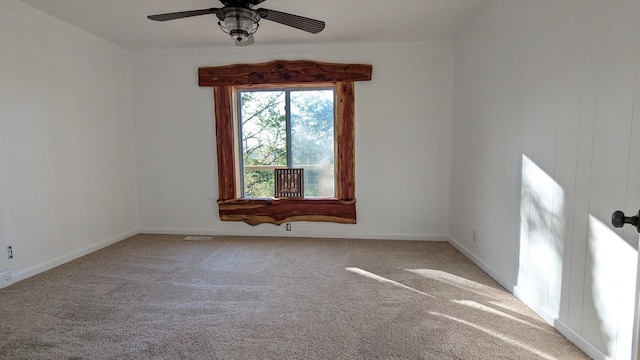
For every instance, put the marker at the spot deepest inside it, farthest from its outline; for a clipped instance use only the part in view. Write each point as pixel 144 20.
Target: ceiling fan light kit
pixel 240 21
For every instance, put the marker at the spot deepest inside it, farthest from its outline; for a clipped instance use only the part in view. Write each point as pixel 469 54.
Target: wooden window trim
pixel 224 79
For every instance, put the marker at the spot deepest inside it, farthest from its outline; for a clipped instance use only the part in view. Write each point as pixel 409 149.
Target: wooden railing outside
pixel 326 181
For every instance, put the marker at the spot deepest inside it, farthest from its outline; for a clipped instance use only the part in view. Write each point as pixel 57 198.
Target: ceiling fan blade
pixel 250 41
pixel 181 14
pixel 299 22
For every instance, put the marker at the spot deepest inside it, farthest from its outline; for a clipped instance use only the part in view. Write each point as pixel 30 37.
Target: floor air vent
pixel 199 238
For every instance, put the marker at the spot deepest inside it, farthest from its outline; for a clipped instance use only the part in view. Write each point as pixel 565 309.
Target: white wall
pixel 67 162
pixel 546 121
pixel 402 127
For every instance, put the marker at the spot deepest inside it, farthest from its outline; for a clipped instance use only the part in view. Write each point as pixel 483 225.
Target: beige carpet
pixel 161 297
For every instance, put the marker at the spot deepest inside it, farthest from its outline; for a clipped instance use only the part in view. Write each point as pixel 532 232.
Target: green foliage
pixel 263 138
pixel 259 183
pixel 264 133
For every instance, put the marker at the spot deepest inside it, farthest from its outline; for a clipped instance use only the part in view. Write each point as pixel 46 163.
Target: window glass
pixel 263 133
pixel 312 141
pixel 285 129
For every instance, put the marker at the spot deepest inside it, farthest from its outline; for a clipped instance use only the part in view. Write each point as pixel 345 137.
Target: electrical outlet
pixel 474 235
pixel 10 252
pixel 288 227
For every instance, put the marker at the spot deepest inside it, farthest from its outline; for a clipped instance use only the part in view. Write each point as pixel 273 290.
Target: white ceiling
pixel 124 22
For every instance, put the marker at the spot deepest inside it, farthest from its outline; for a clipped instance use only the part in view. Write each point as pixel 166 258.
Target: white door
pixel 5 273
pixel 636 320
pixel 636 317
pixel 618 219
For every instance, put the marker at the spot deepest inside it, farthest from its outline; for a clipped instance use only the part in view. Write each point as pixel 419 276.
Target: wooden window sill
pixel 279 210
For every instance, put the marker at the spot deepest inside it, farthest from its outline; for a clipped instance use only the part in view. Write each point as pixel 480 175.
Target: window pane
pixel 264 140
pixel 312 141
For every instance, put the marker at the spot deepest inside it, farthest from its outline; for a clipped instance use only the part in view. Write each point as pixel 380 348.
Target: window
pixel 226 81
pixel 286 128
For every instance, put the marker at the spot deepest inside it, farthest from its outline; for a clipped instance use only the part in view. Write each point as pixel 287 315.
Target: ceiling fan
pixel 238 19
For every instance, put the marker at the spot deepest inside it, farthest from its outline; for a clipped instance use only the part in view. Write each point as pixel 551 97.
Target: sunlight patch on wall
pixel 542 227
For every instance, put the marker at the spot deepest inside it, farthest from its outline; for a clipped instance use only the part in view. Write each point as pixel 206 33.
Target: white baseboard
pixel 72 256
pixel 582 343
pixel 308 234
pixel 486 268
pixel 579 341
